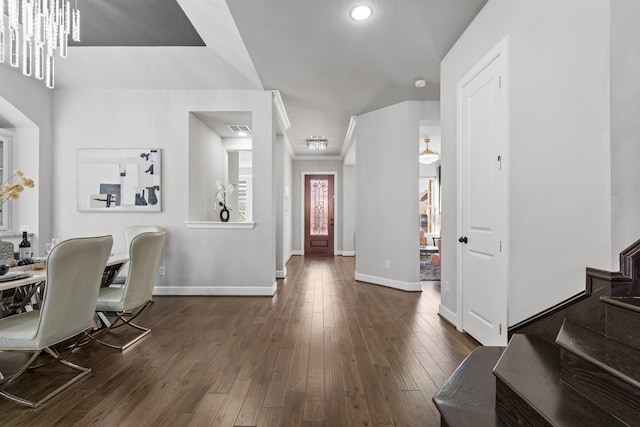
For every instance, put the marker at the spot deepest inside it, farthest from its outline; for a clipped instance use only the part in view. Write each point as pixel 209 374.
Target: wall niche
pixel 220 150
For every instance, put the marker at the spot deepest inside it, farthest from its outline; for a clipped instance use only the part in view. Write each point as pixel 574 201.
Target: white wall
pixel 625 126
pixel 198 261
pixel 387 174
pixel 207 160
pixel 314 166
pixel 26 108
pixel 559 182
pixel 349 210
pixel 429 170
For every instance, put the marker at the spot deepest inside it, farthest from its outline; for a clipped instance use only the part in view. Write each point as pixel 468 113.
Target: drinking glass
pixel 48 246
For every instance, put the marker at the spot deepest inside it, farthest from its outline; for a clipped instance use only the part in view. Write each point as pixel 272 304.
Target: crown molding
pixel 282 117
pixel 349 137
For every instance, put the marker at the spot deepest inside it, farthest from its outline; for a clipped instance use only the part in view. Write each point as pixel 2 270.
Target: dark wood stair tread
pixel 613 357
pixel 531 368
pixel 630 303
pixel 468 398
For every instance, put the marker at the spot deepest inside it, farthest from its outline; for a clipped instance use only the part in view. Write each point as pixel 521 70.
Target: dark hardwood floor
pixel 325 351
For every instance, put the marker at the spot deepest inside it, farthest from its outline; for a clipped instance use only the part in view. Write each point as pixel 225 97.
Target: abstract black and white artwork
pixel 119 179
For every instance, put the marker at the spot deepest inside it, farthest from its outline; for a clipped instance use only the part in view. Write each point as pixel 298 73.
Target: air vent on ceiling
pixel 239 128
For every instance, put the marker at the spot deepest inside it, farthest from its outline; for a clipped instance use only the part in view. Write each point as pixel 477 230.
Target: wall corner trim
pixel 348 253
pixel 449 316
pixel 396 284
pixel 281 274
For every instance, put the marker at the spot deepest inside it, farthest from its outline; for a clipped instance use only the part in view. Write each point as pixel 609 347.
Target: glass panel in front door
pixel 319 212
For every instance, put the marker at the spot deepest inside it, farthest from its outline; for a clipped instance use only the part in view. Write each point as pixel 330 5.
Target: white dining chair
pixel 118 305
pixel 74 273
pixel 129 234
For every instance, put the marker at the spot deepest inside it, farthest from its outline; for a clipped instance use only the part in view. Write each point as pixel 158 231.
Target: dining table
pixel 21 287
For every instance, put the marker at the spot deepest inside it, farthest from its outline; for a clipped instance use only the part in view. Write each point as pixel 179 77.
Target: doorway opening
pixel 429 200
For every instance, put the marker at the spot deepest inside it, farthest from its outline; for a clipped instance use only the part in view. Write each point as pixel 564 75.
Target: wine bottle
pixel 24 250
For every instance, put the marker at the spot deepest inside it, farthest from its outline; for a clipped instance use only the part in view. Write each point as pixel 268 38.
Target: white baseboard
pixel 405 286
pixel 338 253
pixel 281 274
pixel 216 290
pixel 449 315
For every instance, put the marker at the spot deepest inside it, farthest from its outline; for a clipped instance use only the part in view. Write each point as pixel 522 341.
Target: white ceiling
pixel 326 66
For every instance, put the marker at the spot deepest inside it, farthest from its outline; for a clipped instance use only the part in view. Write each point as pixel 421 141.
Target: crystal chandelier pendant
pixel 66 17
pixel 2 30
pixel 1 41
pixel 14 48
pixel 63 42
pixel 38 62
pixel 49 72
pixel 27 54
pixel 75 35
pixel 27 18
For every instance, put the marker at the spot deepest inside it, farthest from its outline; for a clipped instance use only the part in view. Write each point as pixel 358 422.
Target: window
pixel 428 201
pixel 242 200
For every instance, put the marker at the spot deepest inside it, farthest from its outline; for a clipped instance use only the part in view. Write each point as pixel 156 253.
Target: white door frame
pixel 501 49
pixel 303 174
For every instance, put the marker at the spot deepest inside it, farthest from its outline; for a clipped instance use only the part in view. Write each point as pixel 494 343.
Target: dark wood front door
pixel 318 214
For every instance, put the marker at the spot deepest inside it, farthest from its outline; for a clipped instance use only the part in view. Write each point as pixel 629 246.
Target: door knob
pixel 463 239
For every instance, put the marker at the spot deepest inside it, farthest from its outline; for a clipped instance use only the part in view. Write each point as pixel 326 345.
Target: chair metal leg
pixel 34 404
pixel 118 322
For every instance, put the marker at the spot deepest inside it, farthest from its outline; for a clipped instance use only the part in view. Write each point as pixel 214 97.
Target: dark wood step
pixel 530 391
pixel 468 398
pixel 602 369
pixel 623 319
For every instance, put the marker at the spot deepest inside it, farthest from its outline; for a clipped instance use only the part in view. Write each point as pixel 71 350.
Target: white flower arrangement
pixel 223 192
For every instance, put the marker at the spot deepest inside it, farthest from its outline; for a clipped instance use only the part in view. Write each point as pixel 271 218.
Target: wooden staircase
pixel 576 364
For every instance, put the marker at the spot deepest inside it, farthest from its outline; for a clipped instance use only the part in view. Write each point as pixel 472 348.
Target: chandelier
pixel 36 29
pixel 317 142
pixel 428 156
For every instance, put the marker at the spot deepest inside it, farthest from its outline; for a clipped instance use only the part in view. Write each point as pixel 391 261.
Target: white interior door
pixel 483 126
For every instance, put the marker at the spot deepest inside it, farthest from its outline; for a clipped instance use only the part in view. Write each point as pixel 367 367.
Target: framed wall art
pixel 119 179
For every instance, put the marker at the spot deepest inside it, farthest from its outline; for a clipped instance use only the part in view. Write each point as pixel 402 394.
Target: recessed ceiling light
pixel 420 83
pixel 361 13
pixel 242 134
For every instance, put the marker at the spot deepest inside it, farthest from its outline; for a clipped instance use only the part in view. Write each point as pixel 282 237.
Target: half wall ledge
pixel 221 225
